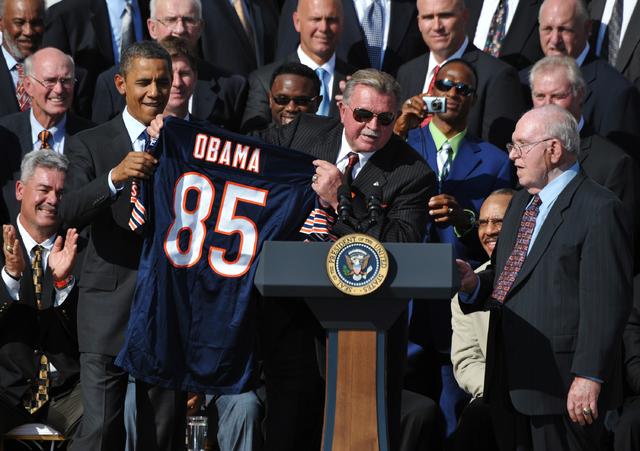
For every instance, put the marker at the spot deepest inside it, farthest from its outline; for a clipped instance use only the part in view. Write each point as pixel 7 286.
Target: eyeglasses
pixel 493 221
pixel 172 21
pixel 518 148
pixel 50 83
pixel 463 89
pixel 297 100
pixel 363 115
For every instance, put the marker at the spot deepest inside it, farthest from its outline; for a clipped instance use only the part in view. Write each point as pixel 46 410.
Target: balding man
pixel 319 24
pixel 611 103
pixel 49 82
pixel 499 100
pixel 219 96
pixel 555 330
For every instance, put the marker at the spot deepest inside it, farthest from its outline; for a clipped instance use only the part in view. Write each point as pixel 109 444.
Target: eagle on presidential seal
pixel 357 265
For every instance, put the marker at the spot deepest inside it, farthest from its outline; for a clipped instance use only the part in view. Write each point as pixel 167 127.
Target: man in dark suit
pixel 229 45
pixel 90 31
pixel 37 316
pixel 219 96
pixel 627 53
pixel 386 167
pixel 402 40
pixel 468 169
pixel 499 100
pixel 611 103
pixel 49 82
pixel 22 27
pixel 557 80
pixel 104 160
pixel 319 23
pixel 554 347
pixel 520 46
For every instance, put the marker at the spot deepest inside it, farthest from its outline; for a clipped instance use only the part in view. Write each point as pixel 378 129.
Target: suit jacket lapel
pixel 24 132
pixel 465 162
pixel 524 20
pixel 401 15
pixel 6 85
pixel 372 174
pixel 233 18
pixel 589 73
pixel 204 97
pixel 548 229
pixel 630 41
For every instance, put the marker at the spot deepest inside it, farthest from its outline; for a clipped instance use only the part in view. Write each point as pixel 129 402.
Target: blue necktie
pixel 373 27
pixel 323 109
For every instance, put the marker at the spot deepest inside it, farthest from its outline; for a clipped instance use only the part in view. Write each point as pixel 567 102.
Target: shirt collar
pixel 552 190
pixel 133 126
pixel 580 123
pixel 57 131
pixel 345 148
pixel 455 55
pixel 329 65
pixel 439 139
pixel 29 242
pixel 11 61
pixel 583 55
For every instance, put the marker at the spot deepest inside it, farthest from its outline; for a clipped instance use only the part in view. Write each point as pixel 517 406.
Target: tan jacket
pixel 469 346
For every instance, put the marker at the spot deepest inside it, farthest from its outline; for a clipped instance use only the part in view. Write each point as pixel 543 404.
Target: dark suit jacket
pixel 80 28
pixel 564 315
pixel 521 45
pixel 628 60
pixel 15 133
pixel 225 43
pixel 8 100
pixel 108 276
pixel 499 101
pixel 257 108
pixel 611 104
pixel 406 180
pixel 219 97
pixel 403 44
pixel 26 331
pixel 478 169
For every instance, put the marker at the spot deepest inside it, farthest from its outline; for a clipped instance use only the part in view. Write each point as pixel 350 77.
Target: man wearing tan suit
pixel 469 340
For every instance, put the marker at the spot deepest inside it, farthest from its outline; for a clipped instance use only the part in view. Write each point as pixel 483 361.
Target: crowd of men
pixel 529 173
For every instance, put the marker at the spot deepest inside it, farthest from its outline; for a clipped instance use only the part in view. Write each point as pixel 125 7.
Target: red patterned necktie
pixel 44 136
pixel 497 29
pixel 138 211
pixel 432 83
pixel 354 158
pixel 519 252
pixel 24 102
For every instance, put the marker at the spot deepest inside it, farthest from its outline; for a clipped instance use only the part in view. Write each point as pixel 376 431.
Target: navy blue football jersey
pixel 214 199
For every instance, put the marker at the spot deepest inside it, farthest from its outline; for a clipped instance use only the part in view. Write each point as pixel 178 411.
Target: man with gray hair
pixel 611 102
pixel 39 367
pixel 554 345
pixel 360 155
pixel 49 82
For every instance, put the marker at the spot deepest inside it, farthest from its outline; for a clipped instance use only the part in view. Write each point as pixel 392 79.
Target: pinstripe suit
pixel 565 313
pixel 407 182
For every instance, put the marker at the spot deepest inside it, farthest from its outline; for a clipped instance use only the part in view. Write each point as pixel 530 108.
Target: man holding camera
pixel 468 170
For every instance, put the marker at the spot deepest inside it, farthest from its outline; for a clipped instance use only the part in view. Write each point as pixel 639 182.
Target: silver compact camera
pixel 435 104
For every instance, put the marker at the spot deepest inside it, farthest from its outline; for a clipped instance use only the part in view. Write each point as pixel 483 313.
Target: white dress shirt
pixel 343 159
pixel 433 63
pixel 329 67
pixel 116 11
pixel 135 130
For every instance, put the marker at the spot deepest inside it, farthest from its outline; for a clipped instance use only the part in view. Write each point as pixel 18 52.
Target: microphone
pixel 374 207
pixel 345 211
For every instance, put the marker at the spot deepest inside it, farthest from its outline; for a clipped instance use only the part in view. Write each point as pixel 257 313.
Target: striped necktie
pixel 354 158
pixel 445 157
pixel 613 32
pixel 138 211
pixel 24 102
pixel 44 136
pixel 127 29
pixel 519 252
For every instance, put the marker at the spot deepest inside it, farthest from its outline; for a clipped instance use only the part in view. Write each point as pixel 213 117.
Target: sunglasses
pixel 362 115
pixel 463 89
pixel 298 100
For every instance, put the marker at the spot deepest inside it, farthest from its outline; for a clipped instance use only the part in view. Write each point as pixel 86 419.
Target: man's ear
pixel 19 190
pixel 120 84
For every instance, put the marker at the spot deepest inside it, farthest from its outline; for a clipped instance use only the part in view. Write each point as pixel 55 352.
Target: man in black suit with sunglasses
pixel 386 168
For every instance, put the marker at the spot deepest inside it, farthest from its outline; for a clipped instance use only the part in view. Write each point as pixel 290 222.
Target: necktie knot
pixel 44 136
pixel 353 159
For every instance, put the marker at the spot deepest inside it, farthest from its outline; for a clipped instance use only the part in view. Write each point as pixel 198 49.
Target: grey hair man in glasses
pixel 49 82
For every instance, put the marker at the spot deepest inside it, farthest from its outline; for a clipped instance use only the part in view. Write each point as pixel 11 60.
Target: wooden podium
pixel 355 417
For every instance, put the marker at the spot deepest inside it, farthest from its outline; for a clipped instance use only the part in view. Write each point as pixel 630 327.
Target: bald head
pixel 319 23
pixel 564 27
pixel 179 18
